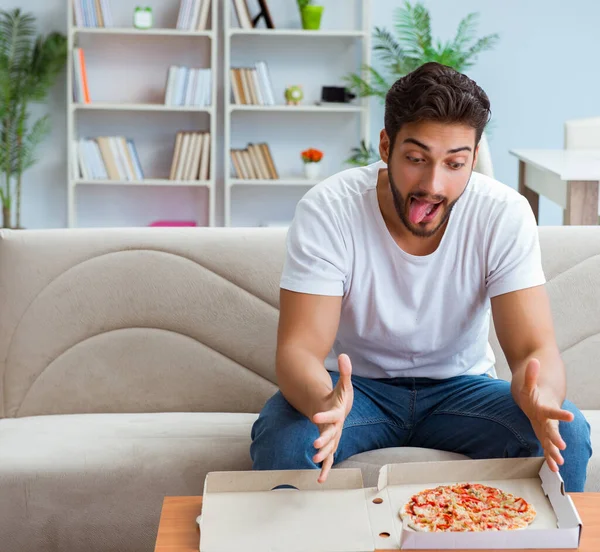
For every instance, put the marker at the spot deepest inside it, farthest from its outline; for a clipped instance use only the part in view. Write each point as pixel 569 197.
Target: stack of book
pixel 191 156
pixel 108 158
pixel 252 85
pixel 92 13
pixel 81 92
pixel 193 15
pixel 254 162
pixel 188 86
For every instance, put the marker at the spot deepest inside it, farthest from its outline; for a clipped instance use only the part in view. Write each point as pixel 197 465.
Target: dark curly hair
pixel 436 92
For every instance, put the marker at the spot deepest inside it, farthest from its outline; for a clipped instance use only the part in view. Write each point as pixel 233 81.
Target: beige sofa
pixel 134 361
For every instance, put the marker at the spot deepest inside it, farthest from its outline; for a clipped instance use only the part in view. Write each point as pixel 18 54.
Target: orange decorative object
pixel 312 155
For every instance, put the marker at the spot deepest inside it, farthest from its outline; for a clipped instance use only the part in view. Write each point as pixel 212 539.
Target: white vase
pixel 312 170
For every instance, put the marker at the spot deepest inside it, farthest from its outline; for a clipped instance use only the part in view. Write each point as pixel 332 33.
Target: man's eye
pixel 456 166
pixel 413 159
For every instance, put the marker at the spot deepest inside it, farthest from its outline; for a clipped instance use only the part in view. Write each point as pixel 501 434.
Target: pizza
pixel 467 507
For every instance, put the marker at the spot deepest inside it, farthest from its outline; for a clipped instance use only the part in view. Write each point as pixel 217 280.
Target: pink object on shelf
pixel 173 223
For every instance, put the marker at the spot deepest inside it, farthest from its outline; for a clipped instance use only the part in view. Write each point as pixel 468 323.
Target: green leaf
pixel 32 141
pixel 387 48
pixel 47 61
pixel 413 25
pixel 363 88
pixel 483 44
pixel 465 32
pixel 363 155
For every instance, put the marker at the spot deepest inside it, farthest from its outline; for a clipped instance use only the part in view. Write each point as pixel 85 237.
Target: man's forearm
pixel 551 381
pixel 303 380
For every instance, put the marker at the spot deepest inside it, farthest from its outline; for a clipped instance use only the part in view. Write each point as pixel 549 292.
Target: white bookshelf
pixel 282 49
pixel 138 32
pixel 143 115
pixel 274 33
pixel 145 182
pixel 298 108
pixel 98 106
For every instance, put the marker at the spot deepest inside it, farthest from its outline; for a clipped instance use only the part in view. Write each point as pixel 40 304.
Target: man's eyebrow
pixel 427 148
pixel 413 141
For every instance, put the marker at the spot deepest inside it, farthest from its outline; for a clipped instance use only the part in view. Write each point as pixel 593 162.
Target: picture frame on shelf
pixel 265 14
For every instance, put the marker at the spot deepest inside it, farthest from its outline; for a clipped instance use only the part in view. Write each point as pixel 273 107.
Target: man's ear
pixel 384 146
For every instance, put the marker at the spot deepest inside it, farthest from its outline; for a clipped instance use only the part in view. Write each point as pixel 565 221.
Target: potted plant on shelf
pixel 310 13
pixel 312 163
pixel 29 66
pixel 411 46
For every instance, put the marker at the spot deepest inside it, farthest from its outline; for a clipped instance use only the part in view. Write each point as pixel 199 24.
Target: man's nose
pixel 432 184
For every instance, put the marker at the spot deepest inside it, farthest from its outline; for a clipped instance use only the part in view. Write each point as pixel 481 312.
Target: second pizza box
pixel 289 511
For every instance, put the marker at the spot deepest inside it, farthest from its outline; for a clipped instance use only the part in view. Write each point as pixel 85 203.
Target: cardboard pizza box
pixel 289 511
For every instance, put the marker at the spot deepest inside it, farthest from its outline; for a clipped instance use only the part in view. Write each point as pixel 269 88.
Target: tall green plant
pixel 29 66
pixel 410 46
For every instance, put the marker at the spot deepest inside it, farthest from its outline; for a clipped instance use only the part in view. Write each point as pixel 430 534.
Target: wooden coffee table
pixel 178 530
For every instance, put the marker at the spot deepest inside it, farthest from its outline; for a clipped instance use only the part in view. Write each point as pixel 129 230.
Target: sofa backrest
pixel 571 261
pixel 138 320
pixel 185 319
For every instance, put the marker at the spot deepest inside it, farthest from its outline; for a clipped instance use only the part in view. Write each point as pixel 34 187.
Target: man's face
pixel 429 167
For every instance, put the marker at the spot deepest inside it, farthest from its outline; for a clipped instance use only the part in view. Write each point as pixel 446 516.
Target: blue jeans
pixel 472 415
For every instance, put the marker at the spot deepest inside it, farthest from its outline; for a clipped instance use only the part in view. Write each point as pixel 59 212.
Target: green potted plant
pixel 310 13
pixel 29 66
pixel 407 48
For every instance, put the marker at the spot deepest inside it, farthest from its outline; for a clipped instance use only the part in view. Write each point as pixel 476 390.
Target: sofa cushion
pixel 96 482
pixel 370 462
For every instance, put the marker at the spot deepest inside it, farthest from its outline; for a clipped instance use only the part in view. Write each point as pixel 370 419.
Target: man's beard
pixel 403 205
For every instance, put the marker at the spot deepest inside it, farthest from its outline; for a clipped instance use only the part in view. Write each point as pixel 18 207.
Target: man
pixel 391 276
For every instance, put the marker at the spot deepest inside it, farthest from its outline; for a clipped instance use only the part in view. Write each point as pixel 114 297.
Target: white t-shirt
pixel 406 315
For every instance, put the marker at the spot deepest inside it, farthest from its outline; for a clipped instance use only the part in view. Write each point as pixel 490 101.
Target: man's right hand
pixel 330 420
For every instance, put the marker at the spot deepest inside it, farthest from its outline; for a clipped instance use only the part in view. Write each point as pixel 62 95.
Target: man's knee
pixel 282 438
pixel 576 434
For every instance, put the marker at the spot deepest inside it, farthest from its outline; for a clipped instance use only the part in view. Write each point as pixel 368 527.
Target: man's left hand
pixel 544 412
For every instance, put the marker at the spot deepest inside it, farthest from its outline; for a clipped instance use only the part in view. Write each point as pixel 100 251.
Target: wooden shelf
pixel 297 32
pixel 99 106
pixel 274 182
pixel 146 182
pixel 139 32
pixel 337 108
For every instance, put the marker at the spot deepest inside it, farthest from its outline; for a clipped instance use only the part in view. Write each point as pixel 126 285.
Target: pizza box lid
pixel 289 511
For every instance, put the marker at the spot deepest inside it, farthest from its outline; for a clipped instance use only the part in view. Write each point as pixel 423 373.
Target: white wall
pixel 543 71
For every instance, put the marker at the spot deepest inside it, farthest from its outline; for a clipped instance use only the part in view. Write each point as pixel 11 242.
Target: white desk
pixel 566 177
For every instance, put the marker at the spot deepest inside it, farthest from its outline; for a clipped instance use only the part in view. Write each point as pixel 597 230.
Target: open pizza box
pixel 289 511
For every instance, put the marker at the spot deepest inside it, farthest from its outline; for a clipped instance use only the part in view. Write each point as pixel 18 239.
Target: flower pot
pixel 311 17
pixel 312 170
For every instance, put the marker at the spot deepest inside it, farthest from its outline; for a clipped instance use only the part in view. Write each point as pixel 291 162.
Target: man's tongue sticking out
pixel 418 209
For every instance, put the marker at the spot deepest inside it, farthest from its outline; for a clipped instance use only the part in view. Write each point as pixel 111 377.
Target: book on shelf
pixel 191 156
pixel 81 91
pixel 244 18
pixel 108 158
pixel 92 13
pixel 187 86
pixel 193 15
pixel 254 162
pixel 252 85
